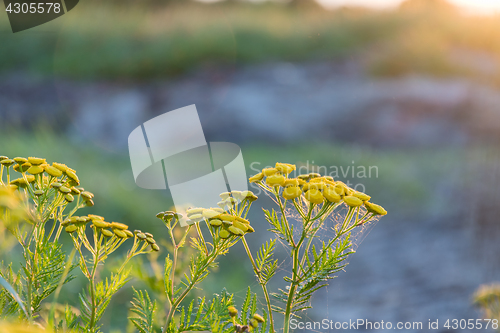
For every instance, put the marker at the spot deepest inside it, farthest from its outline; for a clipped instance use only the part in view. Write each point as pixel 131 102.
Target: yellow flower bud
pixel 195 217
pixel 117 225
pixel 87 195
pixel 225 195
pixel 285 167
pixel 224 234
pixel 69 198
pixel 317 186
pixel 89 203
pixel 194 211
pixel 314 196
pixel 331 195
pixel 70 228
pixel 38 192
pixel 256 178
pixel 361 196
pixel 250 229
pixel 128 233
pixel 36 160
pixel 375 209
pixel 3 158
pixel 314 175
pixel 218 210
pixel 240 225
pixel 53 171
pixel 242 220
pixel 258 317
pixel 20 160
pixel 155 247
pixel 100 224
pixel 291 192
pixel 269 171
pixel 142 236
pixel 107 233
pixel 226 217
pixel 56 185
pixel 64 189
pixel 352 201
pixel 96 217
pixel 291 182
pixel 150 240
pixel 209 213
pixel 233 312
pixel 339 188
pixel 275 180
pixel 215 222
pixel 254 323
pixel 35 169
pixel 119 233
pixel 235 231
pixel 60 166
pixel 72 175
pixel 304 177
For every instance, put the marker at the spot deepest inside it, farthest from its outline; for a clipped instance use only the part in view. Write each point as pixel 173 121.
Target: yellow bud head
pixel 100 224
pixel 236 231
pixel 275 180
pixel 291 182
pixel 96 217
pixel 215 222
pixel 56 185
pixel 155 247
pixel 35 169
pixel 107 233
pixel 60 166
pixel 64 189
pixel 36 160
pixel 38 192
pixel 218 210
pixel 314 175
pixel 233 312
pixel 254 323
pixel 196 217
pixel 225 195
pixel 240 225
pixel 258 317
pixel 20 160
pixel 250 229
pixel 224 234
pixel 304 177
pixel 53 171
pixel 129 233
pixel 339 188
pixel 256 178
pixel 331 195
pixel 70 228
pixel 209 213
pixel 194 211
pixel 242 220
pixel 314 196
pixel 375 209
pixel 227 217
pixel 87 195
pixel 119 233
pixel 285 167
pixel 320 186
pixel 75 191
pixel 120 226
pixel 150 240
pixel 89 203
pixel 292 192
pixel 142 236
pixel 269 171
pixel 72 175
pixel 361 196
pixel 69 198
pixel 3 158
pixel 352 201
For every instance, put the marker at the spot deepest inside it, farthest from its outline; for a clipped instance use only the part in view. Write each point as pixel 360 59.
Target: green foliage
pixel 145 311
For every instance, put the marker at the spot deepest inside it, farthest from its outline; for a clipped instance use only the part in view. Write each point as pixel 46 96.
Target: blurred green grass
pixel 143 40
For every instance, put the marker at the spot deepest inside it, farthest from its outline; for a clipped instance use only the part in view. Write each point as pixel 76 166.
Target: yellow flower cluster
pixel 58 176
pixel 313 187
pixel 107 229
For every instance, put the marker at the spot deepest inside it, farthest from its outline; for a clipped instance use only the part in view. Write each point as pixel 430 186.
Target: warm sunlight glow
pixel 483 6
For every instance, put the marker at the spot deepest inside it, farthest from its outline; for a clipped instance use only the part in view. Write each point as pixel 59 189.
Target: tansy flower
pixel 374 208
pixel 352 201
pixel 35 169
pixel 314 196
pixel 331 195
pixel 361 196
pixel 256 178
pixel 275 180
pixel 269 171
pixel 285 167
pixel 291 192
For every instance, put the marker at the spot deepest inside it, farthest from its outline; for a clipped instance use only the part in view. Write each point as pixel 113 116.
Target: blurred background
pixel 409 87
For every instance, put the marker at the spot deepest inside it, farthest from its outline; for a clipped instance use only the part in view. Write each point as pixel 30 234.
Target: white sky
pixel 486 6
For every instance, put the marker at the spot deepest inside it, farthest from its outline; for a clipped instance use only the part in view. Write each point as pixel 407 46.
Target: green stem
pixel 262 283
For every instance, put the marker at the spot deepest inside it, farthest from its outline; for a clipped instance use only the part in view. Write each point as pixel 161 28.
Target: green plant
pixel 487 298
pixel 310 200
pixel 47 197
